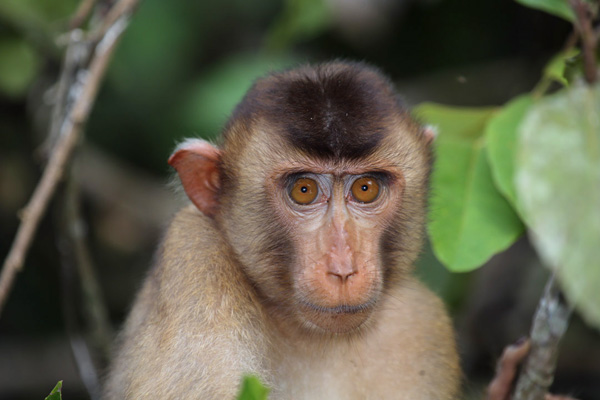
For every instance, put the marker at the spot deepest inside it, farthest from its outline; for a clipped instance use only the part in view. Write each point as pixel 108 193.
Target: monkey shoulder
pixel 193 323
pixel 196 261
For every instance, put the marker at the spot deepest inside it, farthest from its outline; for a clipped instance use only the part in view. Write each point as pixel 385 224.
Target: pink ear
pixel 430 133
pixel 197 163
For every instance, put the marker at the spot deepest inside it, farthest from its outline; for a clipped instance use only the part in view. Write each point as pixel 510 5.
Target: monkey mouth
pixel 343 309
pixel 340 319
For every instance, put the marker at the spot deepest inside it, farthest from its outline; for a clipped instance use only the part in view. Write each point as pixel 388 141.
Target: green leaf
pixel 555 69
pixel 559 8
pixel 55 394
pixel 18 66
pixel 558 188
pixel 252 389
pixel 470 220
pixel 501 142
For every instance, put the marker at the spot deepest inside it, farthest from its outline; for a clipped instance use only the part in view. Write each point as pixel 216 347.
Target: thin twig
pixel 76 56
pixel 571 41
pixel 83 12
pixel 85 91
pixel 123 7
pixel 32 213
pixel 589 40
pixel 76 256
pixel 549 324
pixel 76 267
pixel 83 358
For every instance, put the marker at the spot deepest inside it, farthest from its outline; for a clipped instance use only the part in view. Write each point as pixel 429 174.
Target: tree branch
pixel 589 40
pixel 83 12
pixel 83 92
pixel 549 324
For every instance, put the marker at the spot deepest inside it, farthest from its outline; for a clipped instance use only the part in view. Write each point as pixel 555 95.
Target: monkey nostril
pixel 341 277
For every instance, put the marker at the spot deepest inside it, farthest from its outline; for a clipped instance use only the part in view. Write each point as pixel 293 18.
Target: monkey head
pixel 319 187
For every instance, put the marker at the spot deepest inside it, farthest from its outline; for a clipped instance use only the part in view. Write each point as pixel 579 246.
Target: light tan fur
pixel 244 287
pixel 196 329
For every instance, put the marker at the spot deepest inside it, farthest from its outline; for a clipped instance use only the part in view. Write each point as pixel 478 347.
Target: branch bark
pixel 589 40
pixel 549 325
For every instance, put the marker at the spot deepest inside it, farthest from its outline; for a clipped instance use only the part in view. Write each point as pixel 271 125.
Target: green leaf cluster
pixel 534 163
pixel 470 220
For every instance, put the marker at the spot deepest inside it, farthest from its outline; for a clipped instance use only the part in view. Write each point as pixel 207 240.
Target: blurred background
pixel 178 72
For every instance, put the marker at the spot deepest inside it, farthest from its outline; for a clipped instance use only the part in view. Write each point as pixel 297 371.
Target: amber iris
pixel 304 191
pixel 365 189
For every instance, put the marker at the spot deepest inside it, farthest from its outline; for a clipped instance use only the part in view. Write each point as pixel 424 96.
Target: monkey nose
pixel 341 272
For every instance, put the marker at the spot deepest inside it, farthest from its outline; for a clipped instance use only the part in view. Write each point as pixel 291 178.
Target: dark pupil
pixel 304 189
pixel 364 188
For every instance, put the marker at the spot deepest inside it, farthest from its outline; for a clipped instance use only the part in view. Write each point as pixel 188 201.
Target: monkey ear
pixel 430 132
pixel 197 163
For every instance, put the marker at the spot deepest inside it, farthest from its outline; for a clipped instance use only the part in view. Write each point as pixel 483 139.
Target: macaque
pixel 294 260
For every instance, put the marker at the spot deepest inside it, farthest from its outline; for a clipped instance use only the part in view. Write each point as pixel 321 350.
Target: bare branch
pixel 83 12
pixel 76 257
pixel 84 91
pixel 589 41
pixel 123 7
pixel 77 267
pixel 549 324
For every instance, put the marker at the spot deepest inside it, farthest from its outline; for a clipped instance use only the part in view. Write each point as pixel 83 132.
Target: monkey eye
pixel 304 191
pixel 365 189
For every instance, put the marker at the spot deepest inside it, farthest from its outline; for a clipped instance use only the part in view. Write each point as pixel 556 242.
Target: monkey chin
pixel 342 319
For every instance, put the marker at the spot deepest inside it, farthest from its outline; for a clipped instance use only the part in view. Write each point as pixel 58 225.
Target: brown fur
pixel 223 297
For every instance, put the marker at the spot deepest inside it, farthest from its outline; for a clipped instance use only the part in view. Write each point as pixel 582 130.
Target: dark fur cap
pixel 337 109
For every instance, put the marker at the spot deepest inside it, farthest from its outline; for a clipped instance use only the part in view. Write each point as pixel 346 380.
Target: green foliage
pixel 558 188
pixel 55 394
pixel 38 12
pixel 544 157
pixel 556 68
pixel 300 20
pixel 501 143
pixel 560 8
pixel 19 65
pixel 253 389
pixel 469 219
pixel 214 96
pixel 150 59
pixel 539 152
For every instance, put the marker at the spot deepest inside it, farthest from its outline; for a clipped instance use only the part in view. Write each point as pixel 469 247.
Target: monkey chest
pixel 351 372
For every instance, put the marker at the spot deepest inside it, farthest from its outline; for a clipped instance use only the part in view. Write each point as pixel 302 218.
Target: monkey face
pixel 338 217
pixel 319 189
pixel 325 233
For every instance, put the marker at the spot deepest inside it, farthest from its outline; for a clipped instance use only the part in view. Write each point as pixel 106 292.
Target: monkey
pixel 294 259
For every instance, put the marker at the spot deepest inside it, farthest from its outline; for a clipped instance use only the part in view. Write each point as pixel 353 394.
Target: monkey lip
pixel 340 319
pixel 342 309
